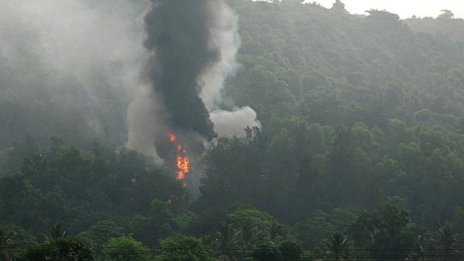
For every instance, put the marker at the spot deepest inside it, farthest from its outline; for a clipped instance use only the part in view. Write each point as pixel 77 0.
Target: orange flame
pixel 182 160
pixel 172 138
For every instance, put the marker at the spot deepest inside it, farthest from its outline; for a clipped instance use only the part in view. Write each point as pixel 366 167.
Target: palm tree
pixel 446 240
pixel 277 232
pixel 228 239
pixel 58 231
pixel 337 247
pixel 5 242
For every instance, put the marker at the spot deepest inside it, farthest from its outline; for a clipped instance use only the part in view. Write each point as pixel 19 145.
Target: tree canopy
pixel 360 153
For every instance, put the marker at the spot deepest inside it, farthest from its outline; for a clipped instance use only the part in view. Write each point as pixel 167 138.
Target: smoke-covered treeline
pixel 360 154
pixel 69 67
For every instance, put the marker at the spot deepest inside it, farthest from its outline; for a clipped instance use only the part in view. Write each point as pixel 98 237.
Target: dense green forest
pixel 360 155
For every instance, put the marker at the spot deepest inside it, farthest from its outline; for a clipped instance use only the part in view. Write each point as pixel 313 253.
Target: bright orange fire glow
pixel 172 138
pixel 182 160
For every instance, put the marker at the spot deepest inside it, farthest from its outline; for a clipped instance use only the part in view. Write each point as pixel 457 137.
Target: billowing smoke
pixel 225 39
pixel 233 123
pixel 193 47
pixel 178 37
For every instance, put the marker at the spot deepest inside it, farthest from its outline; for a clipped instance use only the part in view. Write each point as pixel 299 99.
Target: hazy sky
pixel 404 8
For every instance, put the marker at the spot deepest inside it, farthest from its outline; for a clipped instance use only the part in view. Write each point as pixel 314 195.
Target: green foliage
pixel 125 248
pixel 255 226
pixel 62 248
pixel 267 251
pixel 79 188
pixel 387 234
pixel 382 103
pixel 184 248
pixel 443 27
pixel 357 110
pixel 337 247
pixel 12 241
pixel 158 224
pixel 101 232
pixel 290 251
pixel 458 225
pixel 321 225
pixel 5 244
pixel 242 230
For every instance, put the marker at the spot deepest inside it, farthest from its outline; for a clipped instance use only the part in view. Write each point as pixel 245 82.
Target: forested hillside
pixel 360 154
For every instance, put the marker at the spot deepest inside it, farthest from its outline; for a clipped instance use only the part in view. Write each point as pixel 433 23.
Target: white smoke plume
pixel 233 123
pixel 225 38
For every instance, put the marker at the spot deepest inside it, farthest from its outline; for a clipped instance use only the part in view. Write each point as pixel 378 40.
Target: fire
pixel 172 138
pixel 182 159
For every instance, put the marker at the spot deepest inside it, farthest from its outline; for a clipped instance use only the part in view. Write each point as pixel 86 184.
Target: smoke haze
pixel 145 122
pixel 70 60
pixel 404 9
pixel 128 71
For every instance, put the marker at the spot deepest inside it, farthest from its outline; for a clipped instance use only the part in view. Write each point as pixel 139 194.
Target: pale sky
pixel 404 8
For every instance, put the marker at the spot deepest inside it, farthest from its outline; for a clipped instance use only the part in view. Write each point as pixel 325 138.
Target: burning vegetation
pixel 182 159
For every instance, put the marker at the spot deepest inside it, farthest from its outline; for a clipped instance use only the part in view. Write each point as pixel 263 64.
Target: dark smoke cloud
pixel 178 37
